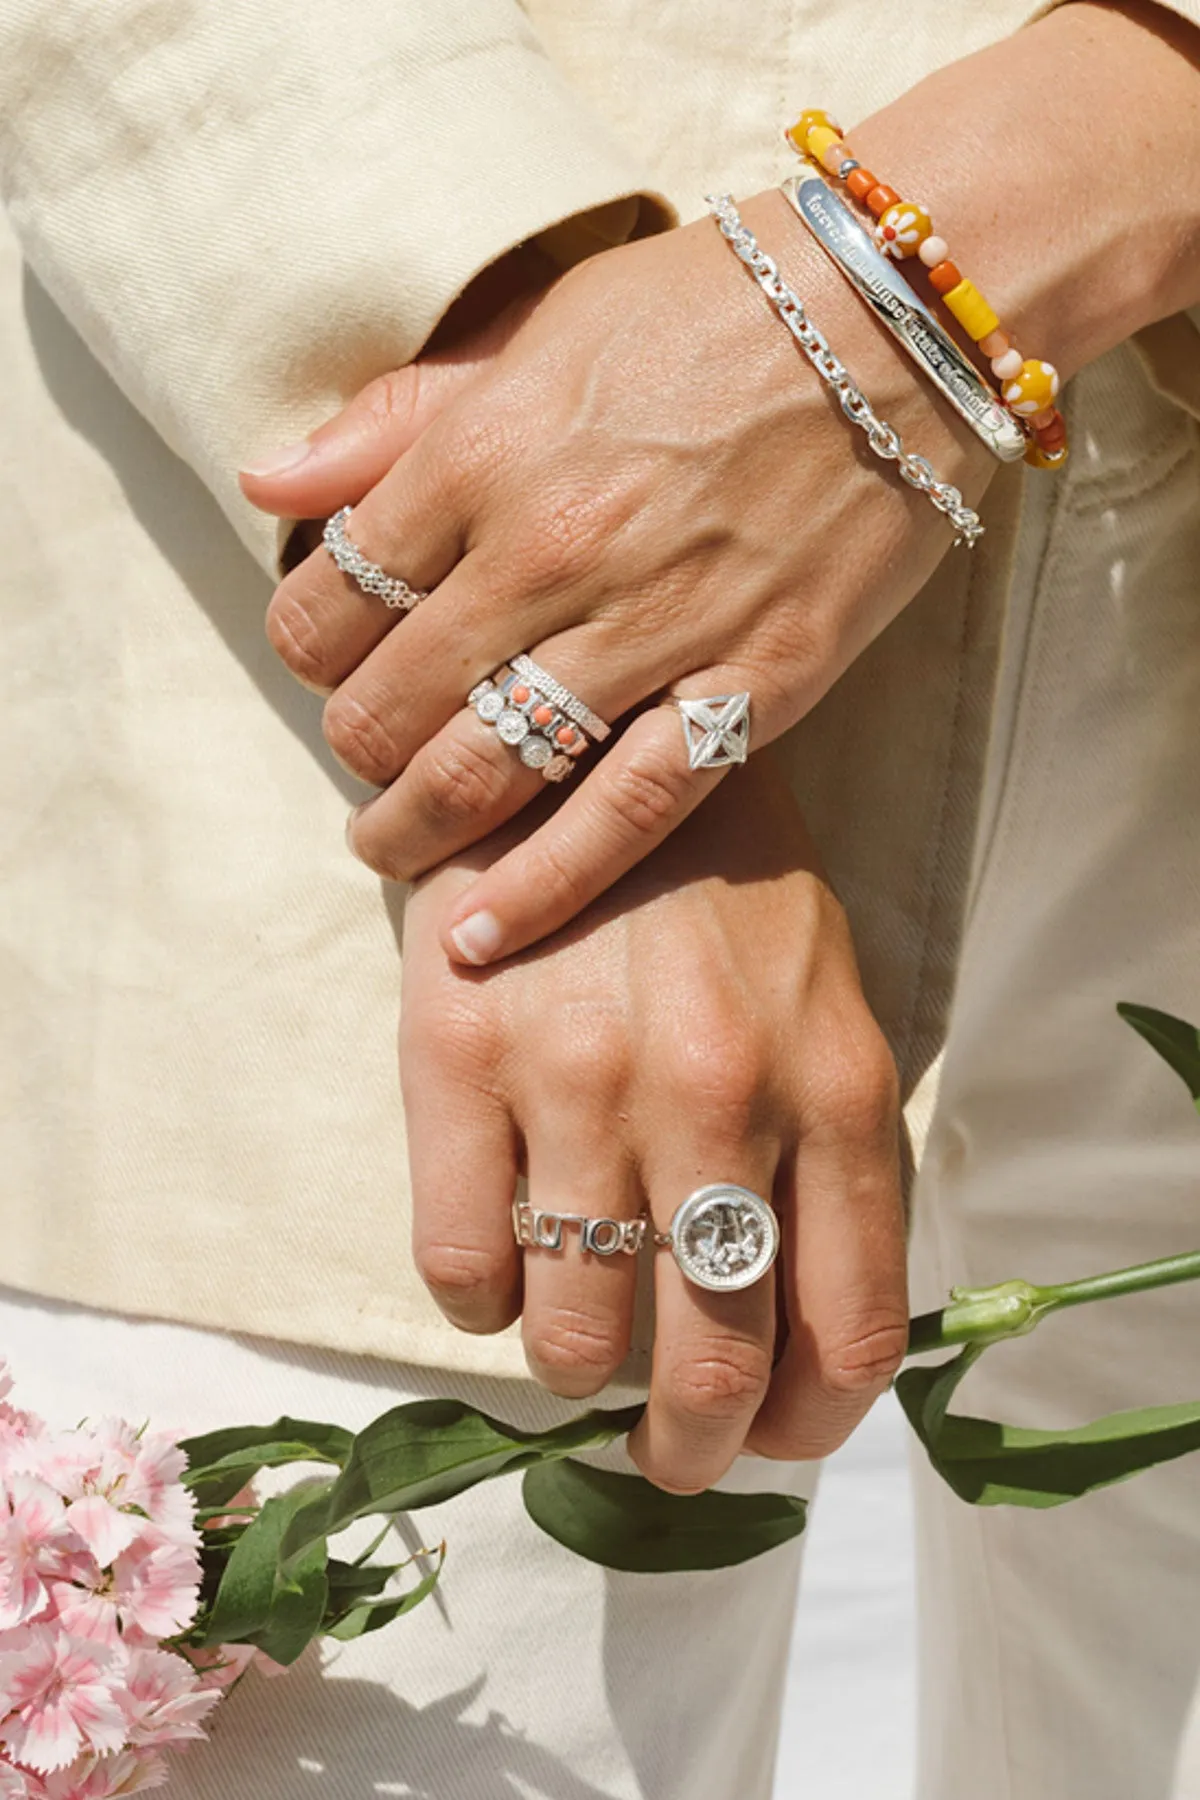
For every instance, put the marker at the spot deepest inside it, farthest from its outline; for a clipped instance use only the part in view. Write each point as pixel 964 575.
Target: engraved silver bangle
pixel 889 297
pixel 367 575
pixel 562 697
pixel 883 438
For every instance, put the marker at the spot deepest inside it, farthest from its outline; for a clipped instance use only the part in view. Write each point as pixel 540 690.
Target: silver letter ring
pixel 541 1230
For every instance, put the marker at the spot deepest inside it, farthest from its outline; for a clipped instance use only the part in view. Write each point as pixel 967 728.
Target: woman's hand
pixel 649 490
pixel 702 1023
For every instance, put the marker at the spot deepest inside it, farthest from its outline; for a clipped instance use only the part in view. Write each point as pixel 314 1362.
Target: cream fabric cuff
pixel 246 221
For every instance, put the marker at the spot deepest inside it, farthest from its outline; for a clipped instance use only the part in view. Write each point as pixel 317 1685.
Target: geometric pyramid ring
pixel 716 731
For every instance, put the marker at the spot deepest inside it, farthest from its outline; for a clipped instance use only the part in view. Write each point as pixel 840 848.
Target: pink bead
pixel 1041 419
pixel 833 158
pixel 1008 366
pixel 995 343
pixel 933 251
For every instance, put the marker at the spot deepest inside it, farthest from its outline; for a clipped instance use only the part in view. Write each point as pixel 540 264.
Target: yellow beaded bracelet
pixel 1027 385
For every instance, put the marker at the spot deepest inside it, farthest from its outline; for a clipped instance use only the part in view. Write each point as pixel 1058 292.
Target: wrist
pixel 1075 219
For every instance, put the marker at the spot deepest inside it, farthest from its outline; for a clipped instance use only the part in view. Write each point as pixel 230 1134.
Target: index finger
pixel 635 797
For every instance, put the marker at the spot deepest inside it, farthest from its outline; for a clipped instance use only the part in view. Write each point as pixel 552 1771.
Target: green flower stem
pixel 1012 1308
pixel 1163 1273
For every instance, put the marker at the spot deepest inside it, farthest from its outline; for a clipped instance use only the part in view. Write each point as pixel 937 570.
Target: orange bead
pixel 860 182
pixel 946 276
pixel 1037 458
pixel 520 695
pixel 995 344
pixel 1039 421
pixel 542 715
pixel 565 735
pixel 881 197
pixel 1053 436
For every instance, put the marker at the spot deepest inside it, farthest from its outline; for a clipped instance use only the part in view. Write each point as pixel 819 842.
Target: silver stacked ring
pixel 391 589
pixel 562 697
pixel 528 711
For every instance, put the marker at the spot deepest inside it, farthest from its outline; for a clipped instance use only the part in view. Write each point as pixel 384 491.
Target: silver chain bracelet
pixel 883 438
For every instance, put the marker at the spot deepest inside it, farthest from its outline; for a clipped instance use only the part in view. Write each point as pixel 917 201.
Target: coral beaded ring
pixel 537 717
pixel 1028 386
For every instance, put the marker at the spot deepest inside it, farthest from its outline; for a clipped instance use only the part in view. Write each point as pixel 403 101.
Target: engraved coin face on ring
pixel 724 1237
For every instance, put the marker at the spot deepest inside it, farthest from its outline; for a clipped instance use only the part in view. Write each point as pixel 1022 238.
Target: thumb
pixel 343 459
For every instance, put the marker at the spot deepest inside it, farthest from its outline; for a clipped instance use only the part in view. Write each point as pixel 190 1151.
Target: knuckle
pixel 592 1060
pixel 864 1364
pixel 720 1381
pixel 716 1067
pixel 860 1086
pixel 572 1350
pixel 360 740
pixel 296 640
pixel 468 1045
pixel 649 793
pixel 563 886
pixel 459 782
pixel 391 399
pixel 462 1278
pixel 570 529
pixel 378 848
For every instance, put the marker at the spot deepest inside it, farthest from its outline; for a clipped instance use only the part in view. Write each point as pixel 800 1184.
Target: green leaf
pixel 428 1451
pixel 356 1581
pixel 221 1462
pixel 1176 1042
pixel 256 1602
pixel 989 1464
pixel 375 1614
pixel 624 1522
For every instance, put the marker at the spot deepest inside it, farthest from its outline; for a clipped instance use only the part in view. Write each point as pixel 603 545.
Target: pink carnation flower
pixel 18 1784
pixel 58 1697
pixel 163 1699
pixel 221 1666
pixel 35 1542
pixel 105 1777
pixel 156 1586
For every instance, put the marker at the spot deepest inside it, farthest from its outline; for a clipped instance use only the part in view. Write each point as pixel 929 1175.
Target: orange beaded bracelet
pixel 1027 385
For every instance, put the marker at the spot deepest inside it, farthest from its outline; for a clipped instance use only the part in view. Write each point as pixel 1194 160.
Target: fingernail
pixel 477 937
pixel 278 462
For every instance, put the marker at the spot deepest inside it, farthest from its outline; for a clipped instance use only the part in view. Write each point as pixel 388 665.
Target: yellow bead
pixel 797 133
pixel 972 311
pixel 1033 389
pixel 819 138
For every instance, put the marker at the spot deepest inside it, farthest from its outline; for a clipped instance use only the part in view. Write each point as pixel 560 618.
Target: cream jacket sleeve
pixel 249 209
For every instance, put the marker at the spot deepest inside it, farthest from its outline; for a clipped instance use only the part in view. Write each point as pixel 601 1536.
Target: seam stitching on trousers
pixel 986 854
pixel 912 1014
